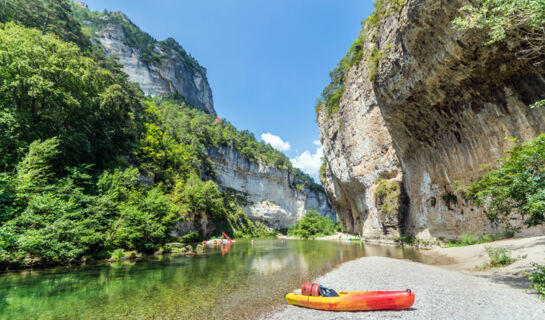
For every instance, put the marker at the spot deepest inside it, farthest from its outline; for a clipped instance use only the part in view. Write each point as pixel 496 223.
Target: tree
pixel 312 225
pixel 48 88
pixel 517 186
pixel 501 17
pixel 48 16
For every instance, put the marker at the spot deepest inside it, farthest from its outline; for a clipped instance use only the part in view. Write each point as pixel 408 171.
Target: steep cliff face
pixel 275 196
pixel 440 104
pixel 160 67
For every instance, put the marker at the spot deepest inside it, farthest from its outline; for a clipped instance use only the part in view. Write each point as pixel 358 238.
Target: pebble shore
pixel 440 293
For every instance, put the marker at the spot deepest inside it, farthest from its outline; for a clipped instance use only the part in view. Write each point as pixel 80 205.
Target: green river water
pixel 244 283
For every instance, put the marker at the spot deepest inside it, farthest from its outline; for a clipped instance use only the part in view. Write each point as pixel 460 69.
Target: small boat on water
pixel 354 300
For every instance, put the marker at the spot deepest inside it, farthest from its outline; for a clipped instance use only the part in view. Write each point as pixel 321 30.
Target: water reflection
pixel 228 282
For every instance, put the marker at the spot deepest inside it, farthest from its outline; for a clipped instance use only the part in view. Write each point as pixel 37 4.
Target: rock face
pixel 440 105
pixel 275 197
pixel 161 67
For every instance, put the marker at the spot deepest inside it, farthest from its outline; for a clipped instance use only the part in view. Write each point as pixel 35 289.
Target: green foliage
pixel 387 196
pixel 48 88
pixel 312 225
pixel 537 278
pixel 517 186
pixel 34 171
pixel 117 255
pixel 332 94
pixel 499 257
pixel 135 38
pixel 247 229
pixel 467 239
pixel 383 8
pixel 190 237
pixel 498 17
pixel 48 16
pixel 539 104
pixel 88 168
pixel 199 197
pixel 323 168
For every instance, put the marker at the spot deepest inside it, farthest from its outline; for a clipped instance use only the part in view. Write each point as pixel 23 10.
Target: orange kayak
pixel 356 301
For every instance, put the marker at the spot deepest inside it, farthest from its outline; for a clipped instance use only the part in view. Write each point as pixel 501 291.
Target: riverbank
pixel 440 293
pixel 471 258
pixel 453 290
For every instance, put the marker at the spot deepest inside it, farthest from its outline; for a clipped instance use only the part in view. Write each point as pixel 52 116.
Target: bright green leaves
pixel 48 16
pixel 34 172
pixel 48 88
pixel 517 186
pixel 500 16
pixel 200 198
pixel 312 225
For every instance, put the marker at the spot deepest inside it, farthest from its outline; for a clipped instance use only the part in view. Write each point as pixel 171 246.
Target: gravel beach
pixel 440 293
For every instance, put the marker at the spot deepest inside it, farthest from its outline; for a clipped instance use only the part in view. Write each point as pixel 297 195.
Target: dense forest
pixel 88 164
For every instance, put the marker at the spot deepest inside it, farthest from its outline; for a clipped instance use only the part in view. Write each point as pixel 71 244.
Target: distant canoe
pixel 356 301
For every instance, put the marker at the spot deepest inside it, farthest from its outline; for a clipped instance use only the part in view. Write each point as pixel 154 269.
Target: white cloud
pixel 317 143
pixel 309 162
pixel 275 141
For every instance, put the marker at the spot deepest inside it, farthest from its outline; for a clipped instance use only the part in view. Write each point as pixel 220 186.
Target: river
pixel 247 281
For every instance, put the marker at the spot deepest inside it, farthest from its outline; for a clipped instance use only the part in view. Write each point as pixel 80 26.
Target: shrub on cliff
pixel 517 186
pixel 312 225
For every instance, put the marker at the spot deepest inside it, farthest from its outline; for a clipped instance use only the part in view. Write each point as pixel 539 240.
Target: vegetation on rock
pixel 525 19
pixel 517 186
pixel 332 93
pixel 387 195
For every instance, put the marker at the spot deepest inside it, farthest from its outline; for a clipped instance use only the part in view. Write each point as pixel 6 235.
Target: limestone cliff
pixel 275 196
pixel 420 113
pixel 160 67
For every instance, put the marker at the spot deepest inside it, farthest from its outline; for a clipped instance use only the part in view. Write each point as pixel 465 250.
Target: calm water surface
pixel 244 283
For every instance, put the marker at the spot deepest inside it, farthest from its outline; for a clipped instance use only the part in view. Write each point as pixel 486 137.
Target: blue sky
pixel 267 61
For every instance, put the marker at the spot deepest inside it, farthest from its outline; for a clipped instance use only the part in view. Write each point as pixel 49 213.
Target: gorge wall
pixel 423 110
pixel 160 67
pixel 275 196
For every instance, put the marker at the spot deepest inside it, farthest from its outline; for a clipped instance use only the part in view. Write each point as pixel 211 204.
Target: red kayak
pixel 355 300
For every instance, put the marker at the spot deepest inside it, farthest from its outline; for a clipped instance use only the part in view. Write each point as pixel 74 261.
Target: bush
pixel 190 237
pixel 117 255
pixel 387 196
pixel 516 187
pixel 499 257
pixel 312 225
pixel 537 278
pixel 467 239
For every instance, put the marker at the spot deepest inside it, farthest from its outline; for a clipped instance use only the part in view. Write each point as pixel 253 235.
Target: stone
pixel 440 105
pixel 272 194
pixel 174 72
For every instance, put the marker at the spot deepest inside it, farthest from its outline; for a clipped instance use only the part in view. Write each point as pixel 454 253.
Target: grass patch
pixel 499 257
pixel 467 239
